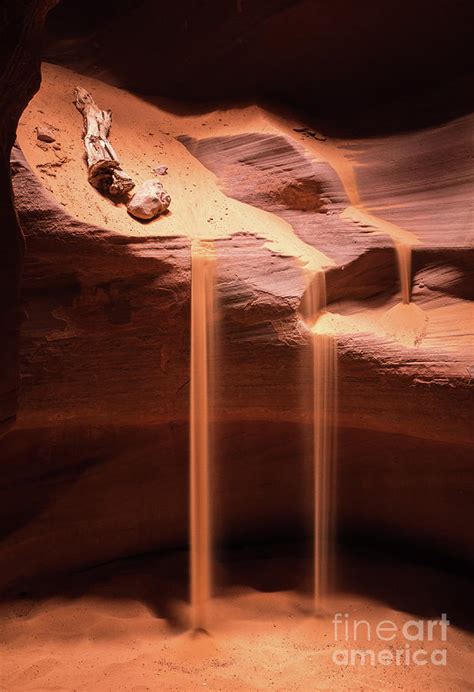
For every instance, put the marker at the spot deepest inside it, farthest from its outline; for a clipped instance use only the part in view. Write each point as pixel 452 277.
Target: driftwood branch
pixel 105 172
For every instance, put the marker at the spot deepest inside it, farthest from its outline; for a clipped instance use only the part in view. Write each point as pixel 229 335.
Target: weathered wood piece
pixel 105 172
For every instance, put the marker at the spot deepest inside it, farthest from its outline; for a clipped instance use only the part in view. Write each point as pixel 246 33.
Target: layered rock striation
pixel 97 465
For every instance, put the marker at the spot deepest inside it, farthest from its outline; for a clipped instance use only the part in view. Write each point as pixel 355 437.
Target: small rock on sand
pixel 149 200
pixel 45 133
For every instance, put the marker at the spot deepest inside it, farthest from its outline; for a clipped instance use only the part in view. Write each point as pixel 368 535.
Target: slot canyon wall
pixel 20 40
pixel 95 467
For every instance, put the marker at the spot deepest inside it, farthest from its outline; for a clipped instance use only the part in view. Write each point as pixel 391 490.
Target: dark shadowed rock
pixel 20 39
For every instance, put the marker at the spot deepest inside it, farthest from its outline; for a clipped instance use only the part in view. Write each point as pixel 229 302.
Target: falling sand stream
pixel 324 403
pixel 403 318
pixel 202 315
pixel 405 322
pixel 404 252
pixel 324 406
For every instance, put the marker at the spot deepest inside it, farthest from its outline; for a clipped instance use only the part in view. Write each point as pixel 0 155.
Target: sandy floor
pixel 124 627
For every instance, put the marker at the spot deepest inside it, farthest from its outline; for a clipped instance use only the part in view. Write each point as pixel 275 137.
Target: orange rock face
pixel 20 37
pixel 97 465
pixel 254 407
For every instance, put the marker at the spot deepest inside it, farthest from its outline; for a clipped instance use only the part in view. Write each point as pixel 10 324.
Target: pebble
pixel 45 134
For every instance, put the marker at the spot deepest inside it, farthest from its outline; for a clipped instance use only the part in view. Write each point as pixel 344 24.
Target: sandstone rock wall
pixel 20 36
pixel 97 466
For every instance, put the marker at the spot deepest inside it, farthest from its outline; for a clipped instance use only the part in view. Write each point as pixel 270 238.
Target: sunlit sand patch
pixel 144 136
pixel 405 324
